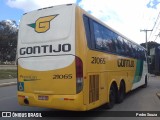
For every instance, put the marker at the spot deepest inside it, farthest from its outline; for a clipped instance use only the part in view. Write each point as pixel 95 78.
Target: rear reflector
pixel 68 99
pixel 22 96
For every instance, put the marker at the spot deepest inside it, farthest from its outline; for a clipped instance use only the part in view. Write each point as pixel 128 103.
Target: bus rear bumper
pixel 63 102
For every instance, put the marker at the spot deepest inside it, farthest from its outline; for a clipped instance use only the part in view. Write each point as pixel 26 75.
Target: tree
pixel 8 40
pixel 151 44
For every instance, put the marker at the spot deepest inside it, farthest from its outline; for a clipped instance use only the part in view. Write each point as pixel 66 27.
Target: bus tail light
pixel 79 75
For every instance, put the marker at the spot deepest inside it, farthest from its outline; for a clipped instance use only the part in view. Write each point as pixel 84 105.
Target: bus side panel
pixel 101 69
pixel 105 66
pixel 106 73
pixel 140 74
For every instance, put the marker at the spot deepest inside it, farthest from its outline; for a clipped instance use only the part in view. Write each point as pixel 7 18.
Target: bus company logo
pixel 42 24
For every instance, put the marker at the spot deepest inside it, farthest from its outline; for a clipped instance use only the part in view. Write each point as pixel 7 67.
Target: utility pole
pixel 146 39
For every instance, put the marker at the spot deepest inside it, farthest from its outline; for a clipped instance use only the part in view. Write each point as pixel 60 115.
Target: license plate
pixel 43 97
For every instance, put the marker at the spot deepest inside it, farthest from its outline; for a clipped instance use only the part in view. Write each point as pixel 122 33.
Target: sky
pixel 125 16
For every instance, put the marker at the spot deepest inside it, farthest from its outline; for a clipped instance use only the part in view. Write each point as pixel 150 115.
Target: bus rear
pixel 49 72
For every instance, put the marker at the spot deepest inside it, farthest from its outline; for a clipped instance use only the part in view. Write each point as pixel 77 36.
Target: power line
pixel 157 36
pixel 156 20
pixel 157 23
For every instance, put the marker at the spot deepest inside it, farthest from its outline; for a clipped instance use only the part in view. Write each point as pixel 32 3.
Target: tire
pixel 146 82
pixel 121 93
pixel 112 97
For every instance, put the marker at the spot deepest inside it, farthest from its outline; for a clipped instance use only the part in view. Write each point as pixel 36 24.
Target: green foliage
pixel 151 44
pixel 7 74
pixel 8 41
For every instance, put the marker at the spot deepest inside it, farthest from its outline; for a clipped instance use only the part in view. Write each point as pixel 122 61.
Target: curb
pixel 8 84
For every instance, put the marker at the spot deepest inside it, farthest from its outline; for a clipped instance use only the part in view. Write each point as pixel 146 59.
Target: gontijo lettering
pixel 45 49
pixel 125 63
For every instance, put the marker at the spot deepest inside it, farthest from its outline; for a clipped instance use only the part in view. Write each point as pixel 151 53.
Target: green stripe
pixel 33 25
pixel 139 70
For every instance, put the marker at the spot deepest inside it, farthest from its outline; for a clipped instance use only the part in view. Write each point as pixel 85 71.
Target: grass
pixel 8 74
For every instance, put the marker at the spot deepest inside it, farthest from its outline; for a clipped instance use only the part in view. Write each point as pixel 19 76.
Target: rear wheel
pixel 121 93
pixel 112 97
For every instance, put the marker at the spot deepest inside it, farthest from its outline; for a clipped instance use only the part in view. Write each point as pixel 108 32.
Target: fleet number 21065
pixel 97 60
pixel 65 76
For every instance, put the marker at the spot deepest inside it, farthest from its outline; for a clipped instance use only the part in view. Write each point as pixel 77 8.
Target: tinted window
pixel 98 36
pixel 117 46
pixel 131 50
pixel 104 38
pixel 134 50
pixel 126 47
pixel 142 54
pixel 108 39
pixel 87 29
pixel 120 45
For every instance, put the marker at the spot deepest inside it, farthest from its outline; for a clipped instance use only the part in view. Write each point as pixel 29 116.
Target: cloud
pixel 29 5
pixel 125 16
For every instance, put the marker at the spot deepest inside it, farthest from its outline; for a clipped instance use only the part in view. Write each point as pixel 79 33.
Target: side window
pixel 134 51
pixel 98 36
pixel 117 44
pixel 130 49
pixel 87 30
pixel 120 45
pixel 103 38
pixel 142 54
pixel 113 46
pixel 107 39
pixel 126 46
pixel 138 53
